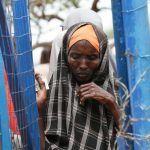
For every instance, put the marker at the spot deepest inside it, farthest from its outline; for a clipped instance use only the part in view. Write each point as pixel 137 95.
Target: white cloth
pixel 82 15
pixel 56 45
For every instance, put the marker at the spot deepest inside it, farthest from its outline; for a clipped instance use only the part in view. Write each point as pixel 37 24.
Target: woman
pixel 82 112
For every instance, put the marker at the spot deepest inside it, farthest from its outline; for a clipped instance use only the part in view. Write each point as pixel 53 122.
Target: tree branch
pixel 46 17
pixel 94 5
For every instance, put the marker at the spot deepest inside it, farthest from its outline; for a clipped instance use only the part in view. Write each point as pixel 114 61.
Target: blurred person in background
pixel 43 66
pixel 82 110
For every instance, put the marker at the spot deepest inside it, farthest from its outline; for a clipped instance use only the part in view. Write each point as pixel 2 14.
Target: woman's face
pixel 83 61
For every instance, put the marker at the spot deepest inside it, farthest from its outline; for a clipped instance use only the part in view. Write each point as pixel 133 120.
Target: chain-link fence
pixel 22 118
pixel 15 45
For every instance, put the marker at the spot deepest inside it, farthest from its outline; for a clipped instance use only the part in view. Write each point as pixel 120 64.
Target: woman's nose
pixel 83 64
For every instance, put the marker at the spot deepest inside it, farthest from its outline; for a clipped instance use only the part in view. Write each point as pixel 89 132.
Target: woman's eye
pixel 93 57
pixel 75 56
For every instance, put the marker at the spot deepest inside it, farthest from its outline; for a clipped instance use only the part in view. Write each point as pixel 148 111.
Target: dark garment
pixel 69 125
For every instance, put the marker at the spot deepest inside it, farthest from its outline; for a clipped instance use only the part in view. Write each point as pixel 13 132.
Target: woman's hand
pixel 93 91
pixel 41 94
pixel 41 98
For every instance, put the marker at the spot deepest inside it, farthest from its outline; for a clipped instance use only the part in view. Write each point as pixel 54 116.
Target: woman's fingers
pixel 85 92
pixel 87 87
pixel 41 93
pixel 91 91
pixel 90 94
pixel 83 89
pixel 40 81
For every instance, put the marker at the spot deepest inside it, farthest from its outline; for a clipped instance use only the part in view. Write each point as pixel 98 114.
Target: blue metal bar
pixel 119 41
pixel 10 66
pixel 122 72
pixel 25 69
pixel 15 82
pixel 5 142
pixel 137 37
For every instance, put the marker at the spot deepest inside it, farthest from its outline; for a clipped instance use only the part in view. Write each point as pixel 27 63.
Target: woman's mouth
pixel 83 75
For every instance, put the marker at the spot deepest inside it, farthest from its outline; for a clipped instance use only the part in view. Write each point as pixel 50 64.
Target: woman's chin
pixel 82 81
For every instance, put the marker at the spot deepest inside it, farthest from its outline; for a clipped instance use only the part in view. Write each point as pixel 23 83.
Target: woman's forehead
pixel 85 32
pixel 83 45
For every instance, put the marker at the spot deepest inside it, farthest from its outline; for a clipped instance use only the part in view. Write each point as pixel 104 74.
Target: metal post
pixel 119 41
pixel 9 60
pixel 25 70
pixel 122 72
pixel 137 37
pixel 5 142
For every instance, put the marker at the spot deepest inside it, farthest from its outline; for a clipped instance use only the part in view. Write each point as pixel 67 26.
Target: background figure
pixel 43 67
pixel 45 56
pixel 76 16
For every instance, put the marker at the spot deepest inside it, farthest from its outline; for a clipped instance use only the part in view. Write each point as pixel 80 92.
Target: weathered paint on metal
pixel 137 37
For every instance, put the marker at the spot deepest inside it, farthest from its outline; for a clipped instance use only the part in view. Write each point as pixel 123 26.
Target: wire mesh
pixel 15 43
pixel 13 54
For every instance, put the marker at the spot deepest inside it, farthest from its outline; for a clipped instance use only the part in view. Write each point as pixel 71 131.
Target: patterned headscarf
pixel 69 125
